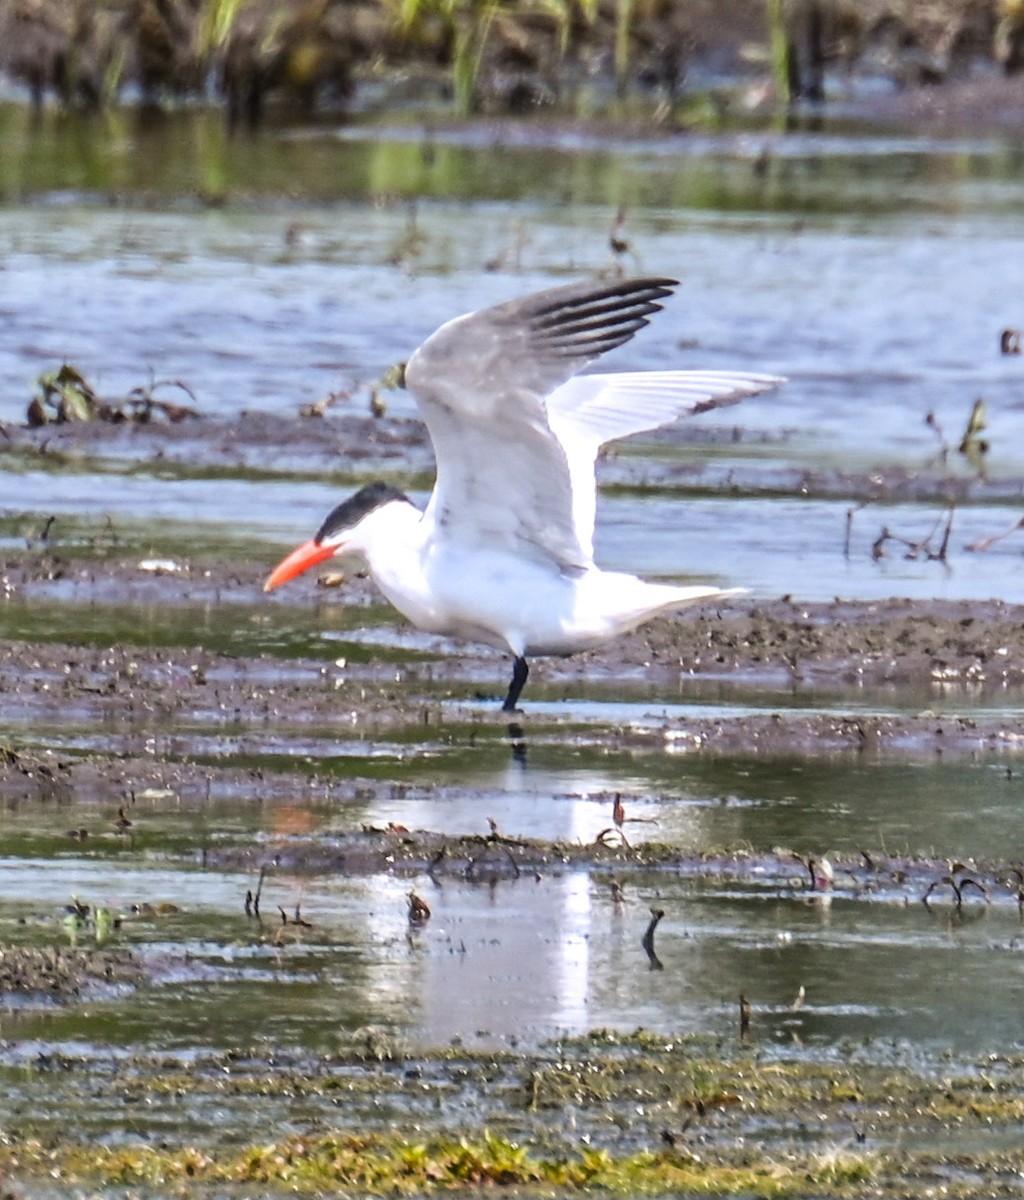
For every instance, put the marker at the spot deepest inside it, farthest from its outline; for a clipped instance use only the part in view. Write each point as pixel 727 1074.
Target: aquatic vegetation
pixel 376 1164
pixel 779 48
pixel 505 34
pixel 97 921
pixel 306 54
pixel 934 545
pixel 656 1116
pixel 64 395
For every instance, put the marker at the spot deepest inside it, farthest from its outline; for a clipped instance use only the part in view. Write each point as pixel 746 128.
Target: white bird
pixel 503 553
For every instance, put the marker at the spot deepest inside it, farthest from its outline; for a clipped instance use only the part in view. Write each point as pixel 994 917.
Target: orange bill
pixel 309 554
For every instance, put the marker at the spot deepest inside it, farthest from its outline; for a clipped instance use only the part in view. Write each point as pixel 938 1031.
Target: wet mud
pixel 59 974
pixel 916 649
pixel 944 675
pixel 911 654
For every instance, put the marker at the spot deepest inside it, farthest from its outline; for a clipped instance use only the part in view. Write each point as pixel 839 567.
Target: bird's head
pixel 348 529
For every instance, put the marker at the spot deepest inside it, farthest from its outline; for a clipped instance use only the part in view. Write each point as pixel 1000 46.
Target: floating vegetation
pixel 65 395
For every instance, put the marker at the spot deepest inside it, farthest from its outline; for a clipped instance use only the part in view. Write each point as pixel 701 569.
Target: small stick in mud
pixel 511 254
pixel 922 548
pixel 978 885
pixel 605 834
pixel 648 940
pixel 944 544
pixel 850 514
pixel 938 883
pixel 744 1016
pixel 933 424
pixel 958 888
pixel 620 245
pixel 435 862
pixel 123 824
pixel 617 240
pixel 878 545
pixel 43 536
pixel 252 902
pixel 515 866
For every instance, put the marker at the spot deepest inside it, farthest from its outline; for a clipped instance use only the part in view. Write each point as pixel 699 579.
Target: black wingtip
pixel 588 319
pixel 603 292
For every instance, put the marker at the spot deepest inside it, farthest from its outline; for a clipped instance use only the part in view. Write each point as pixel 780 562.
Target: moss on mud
pixel 624 1115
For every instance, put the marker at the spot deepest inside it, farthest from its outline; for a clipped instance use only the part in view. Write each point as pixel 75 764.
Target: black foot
pixel 520 670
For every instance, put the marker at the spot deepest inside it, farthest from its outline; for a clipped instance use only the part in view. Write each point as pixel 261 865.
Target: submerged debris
pixel 647 941
pixel 419 910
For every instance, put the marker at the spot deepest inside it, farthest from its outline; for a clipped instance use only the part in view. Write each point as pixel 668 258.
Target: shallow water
pixel 838 269
pixel 529 960
pixel 872 271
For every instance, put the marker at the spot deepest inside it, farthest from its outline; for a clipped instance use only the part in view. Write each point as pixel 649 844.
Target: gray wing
pixel 481 382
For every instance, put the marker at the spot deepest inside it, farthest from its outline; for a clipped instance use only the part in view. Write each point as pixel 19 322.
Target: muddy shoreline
pixel 929 668
pixel 925 665
pixel 952 647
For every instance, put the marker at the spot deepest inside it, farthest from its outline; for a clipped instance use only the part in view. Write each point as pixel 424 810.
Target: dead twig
pixel 252 901
pixel 958 886
pixel 647 941
pixel 986 543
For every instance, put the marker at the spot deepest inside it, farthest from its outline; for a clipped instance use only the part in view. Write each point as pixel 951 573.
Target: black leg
pixel 520 670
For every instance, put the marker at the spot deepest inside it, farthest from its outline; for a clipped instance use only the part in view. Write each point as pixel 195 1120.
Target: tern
pixel 503 554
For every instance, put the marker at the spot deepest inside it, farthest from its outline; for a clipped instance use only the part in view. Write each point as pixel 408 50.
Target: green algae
pixel 372 1165
pixel 649 1116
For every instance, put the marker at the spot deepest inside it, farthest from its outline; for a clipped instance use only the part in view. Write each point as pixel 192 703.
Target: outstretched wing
pixel 482 382
pixel 588 411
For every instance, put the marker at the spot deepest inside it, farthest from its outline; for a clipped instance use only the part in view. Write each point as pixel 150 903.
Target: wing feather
pixel 481 382
pixel 516 430
pixel 589 411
